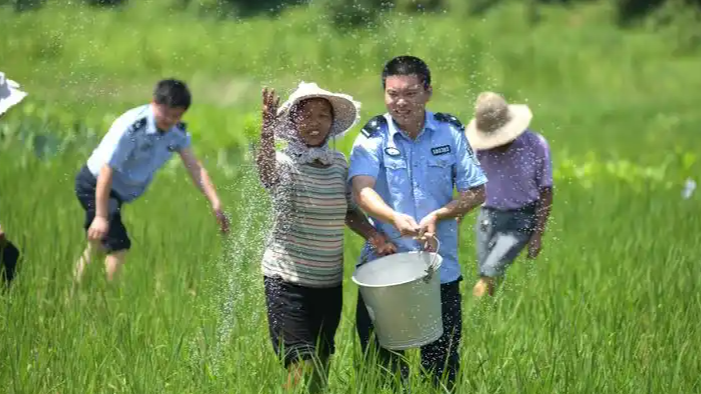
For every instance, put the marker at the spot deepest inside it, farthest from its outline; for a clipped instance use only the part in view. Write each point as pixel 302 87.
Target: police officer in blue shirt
pixel 122 167
pixel 403 169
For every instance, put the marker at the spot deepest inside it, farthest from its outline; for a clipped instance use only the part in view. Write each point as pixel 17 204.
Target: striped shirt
pixel 310 205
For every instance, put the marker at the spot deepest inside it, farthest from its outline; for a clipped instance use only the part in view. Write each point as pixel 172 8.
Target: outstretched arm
pixel 201 179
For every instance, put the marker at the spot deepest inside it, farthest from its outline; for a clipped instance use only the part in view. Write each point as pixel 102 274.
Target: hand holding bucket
pixel 432 267
pixel 427 232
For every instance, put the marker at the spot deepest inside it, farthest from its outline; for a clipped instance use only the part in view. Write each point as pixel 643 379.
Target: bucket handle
pixel 431 269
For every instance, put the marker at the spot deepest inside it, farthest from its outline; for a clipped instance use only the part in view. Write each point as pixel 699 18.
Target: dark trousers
pixel 117 237
pixel 440 358
pixel 302 320
pixel 9 256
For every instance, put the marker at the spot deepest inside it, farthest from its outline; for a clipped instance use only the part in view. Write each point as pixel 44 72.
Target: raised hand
pixel 265 159
pixel 271 103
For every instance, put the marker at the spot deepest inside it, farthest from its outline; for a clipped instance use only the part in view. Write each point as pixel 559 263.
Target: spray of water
pixel 233 288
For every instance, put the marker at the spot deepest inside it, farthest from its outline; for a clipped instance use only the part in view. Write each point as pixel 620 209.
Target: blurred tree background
pixel 360 12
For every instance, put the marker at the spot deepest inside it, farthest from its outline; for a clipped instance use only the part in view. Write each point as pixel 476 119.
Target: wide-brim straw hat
pixel 10 95
pixel 496 122
pixel 346 111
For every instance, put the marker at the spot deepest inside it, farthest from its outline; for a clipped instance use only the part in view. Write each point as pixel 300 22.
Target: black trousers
pixel 9 256
pixel 440 358
pixel 302 320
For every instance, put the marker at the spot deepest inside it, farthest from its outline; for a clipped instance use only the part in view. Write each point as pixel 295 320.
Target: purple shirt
pixel 517 175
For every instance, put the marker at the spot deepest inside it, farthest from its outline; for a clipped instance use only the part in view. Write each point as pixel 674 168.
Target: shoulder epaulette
pixel 448 118
pixel 138 125
pixel 374 126
pixel 182 126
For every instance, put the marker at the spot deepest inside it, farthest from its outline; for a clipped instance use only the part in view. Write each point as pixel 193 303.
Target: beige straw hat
pixel 496 122
pixel 346 111
pixel 10 94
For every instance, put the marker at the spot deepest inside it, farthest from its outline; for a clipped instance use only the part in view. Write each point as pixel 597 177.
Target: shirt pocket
pixel 440 171
pixel 143 150
pixel 397 175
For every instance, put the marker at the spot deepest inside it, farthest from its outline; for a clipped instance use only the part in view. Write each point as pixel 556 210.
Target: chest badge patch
pixel 392 151
pixel 440 150
pixel 146 146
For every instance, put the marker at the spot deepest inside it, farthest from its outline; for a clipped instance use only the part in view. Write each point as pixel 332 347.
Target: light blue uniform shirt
pixel 417 177
pixel 136 149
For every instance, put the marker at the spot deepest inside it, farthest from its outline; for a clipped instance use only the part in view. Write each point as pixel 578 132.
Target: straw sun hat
pixel 10 94
pixel 346 111
pixel 496 122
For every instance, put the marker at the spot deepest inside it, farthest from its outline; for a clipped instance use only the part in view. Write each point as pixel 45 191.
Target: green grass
pixel 611 306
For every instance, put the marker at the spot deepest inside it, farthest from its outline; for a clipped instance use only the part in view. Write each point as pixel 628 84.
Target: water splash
pixel 233 288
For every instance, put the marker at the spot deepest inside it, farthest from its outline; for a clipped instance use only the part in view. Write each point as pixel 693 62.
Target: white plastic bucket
pixel 402 293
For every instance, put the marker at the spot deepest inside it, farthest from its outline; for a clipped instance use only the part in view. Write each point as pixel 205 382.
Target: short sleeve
pixel 185 142
pixel 352 205
pixel 468 172
pixel 544 174
pixel 365 157
pixel 121 141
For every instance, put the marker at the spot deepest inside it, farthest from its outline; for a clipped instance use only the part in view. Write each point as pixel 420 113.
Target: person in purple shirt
pixel 519 193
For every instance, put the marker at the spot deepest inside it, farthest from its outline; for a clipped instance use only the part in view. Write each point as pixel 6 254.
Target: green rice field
pixel 612 305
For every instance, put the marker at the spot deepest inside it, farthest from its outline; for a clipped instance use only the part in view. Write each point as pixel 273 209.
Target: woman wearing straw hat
pixel 303 264
pixel 519 192
pixel 10 95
